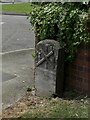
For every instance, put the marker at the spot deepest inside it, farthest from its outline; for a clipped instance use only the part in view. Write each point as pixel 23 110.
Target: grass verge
pixel 57 108
pixel 31 106
pixel 19 7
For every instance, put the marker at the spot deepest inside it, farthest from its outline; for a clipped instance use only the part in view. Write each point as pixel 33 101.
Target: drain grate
pixel 7 76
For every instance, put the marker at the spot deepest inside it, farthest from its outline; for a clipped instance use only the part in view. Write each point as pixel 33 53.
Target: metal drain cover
pixel 7 76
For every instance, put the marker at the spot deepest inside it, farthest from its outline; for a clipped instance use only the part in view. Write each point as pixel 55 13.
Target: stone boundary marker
pixel 46 62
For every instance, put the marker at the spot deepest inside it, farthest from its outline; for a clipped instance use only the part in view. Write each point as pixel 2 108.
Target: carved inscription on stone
pixel 46 66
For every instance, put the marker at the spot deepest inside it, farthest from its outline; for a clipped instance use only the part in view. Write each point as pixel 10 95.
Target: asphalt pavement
pixel 18 75
pixel 17 62
pixel 16 33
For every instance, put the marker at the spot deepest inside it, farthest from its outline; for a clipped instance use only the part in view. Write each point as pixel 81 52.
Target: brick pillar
pixel 78 72
pixel 88 28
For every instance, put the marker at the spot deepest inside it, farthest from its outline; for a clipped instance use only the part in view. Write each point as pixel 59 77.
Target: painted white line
pixel 21 50
pixel 1 23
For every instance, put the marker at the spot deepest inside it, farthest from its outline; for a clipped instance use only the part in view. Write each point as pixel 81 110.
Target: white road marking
pixel 17 38
pixel 16 51
pixel 2 23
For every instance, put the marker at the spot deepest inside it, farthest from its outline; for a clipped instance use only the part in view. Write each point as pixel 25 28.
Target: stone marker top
pixel 49 42
pixel 47 54
pixel 46 62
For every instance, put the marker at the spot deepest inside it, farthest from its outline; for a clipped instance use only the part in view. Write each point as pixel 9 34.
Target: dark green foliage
pixel 65 23
pixel 29 89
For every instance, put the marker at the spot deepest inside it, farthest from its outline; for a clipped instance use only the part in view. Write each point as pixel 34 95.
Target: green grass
pixel 58 109
pixel 19 7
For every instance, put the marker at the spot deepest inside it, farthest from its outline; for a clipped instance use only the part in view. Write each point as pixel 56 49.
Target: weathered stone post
pixel 46 67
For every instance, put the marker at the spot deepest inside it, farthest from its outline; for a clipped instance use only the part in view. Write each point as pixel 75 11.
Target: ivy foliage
pixel 65 23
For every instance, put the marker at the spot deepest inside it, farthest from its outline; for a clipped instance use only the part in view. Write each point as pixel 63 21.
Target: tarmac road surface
pixel 16 33
pixel 17 62
pixel 17 75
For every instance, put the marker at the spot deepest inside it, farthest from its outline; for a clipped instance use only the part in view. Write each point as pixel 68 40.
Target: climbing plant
pixel 65 23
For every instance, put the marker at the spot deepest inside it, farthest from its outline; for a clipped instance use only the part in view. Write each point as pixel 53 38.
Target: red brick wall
pixel 78 73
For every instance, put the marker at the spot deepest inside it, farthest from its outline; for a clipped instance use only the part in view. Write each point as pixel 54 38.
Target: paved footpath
pixel 17 61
